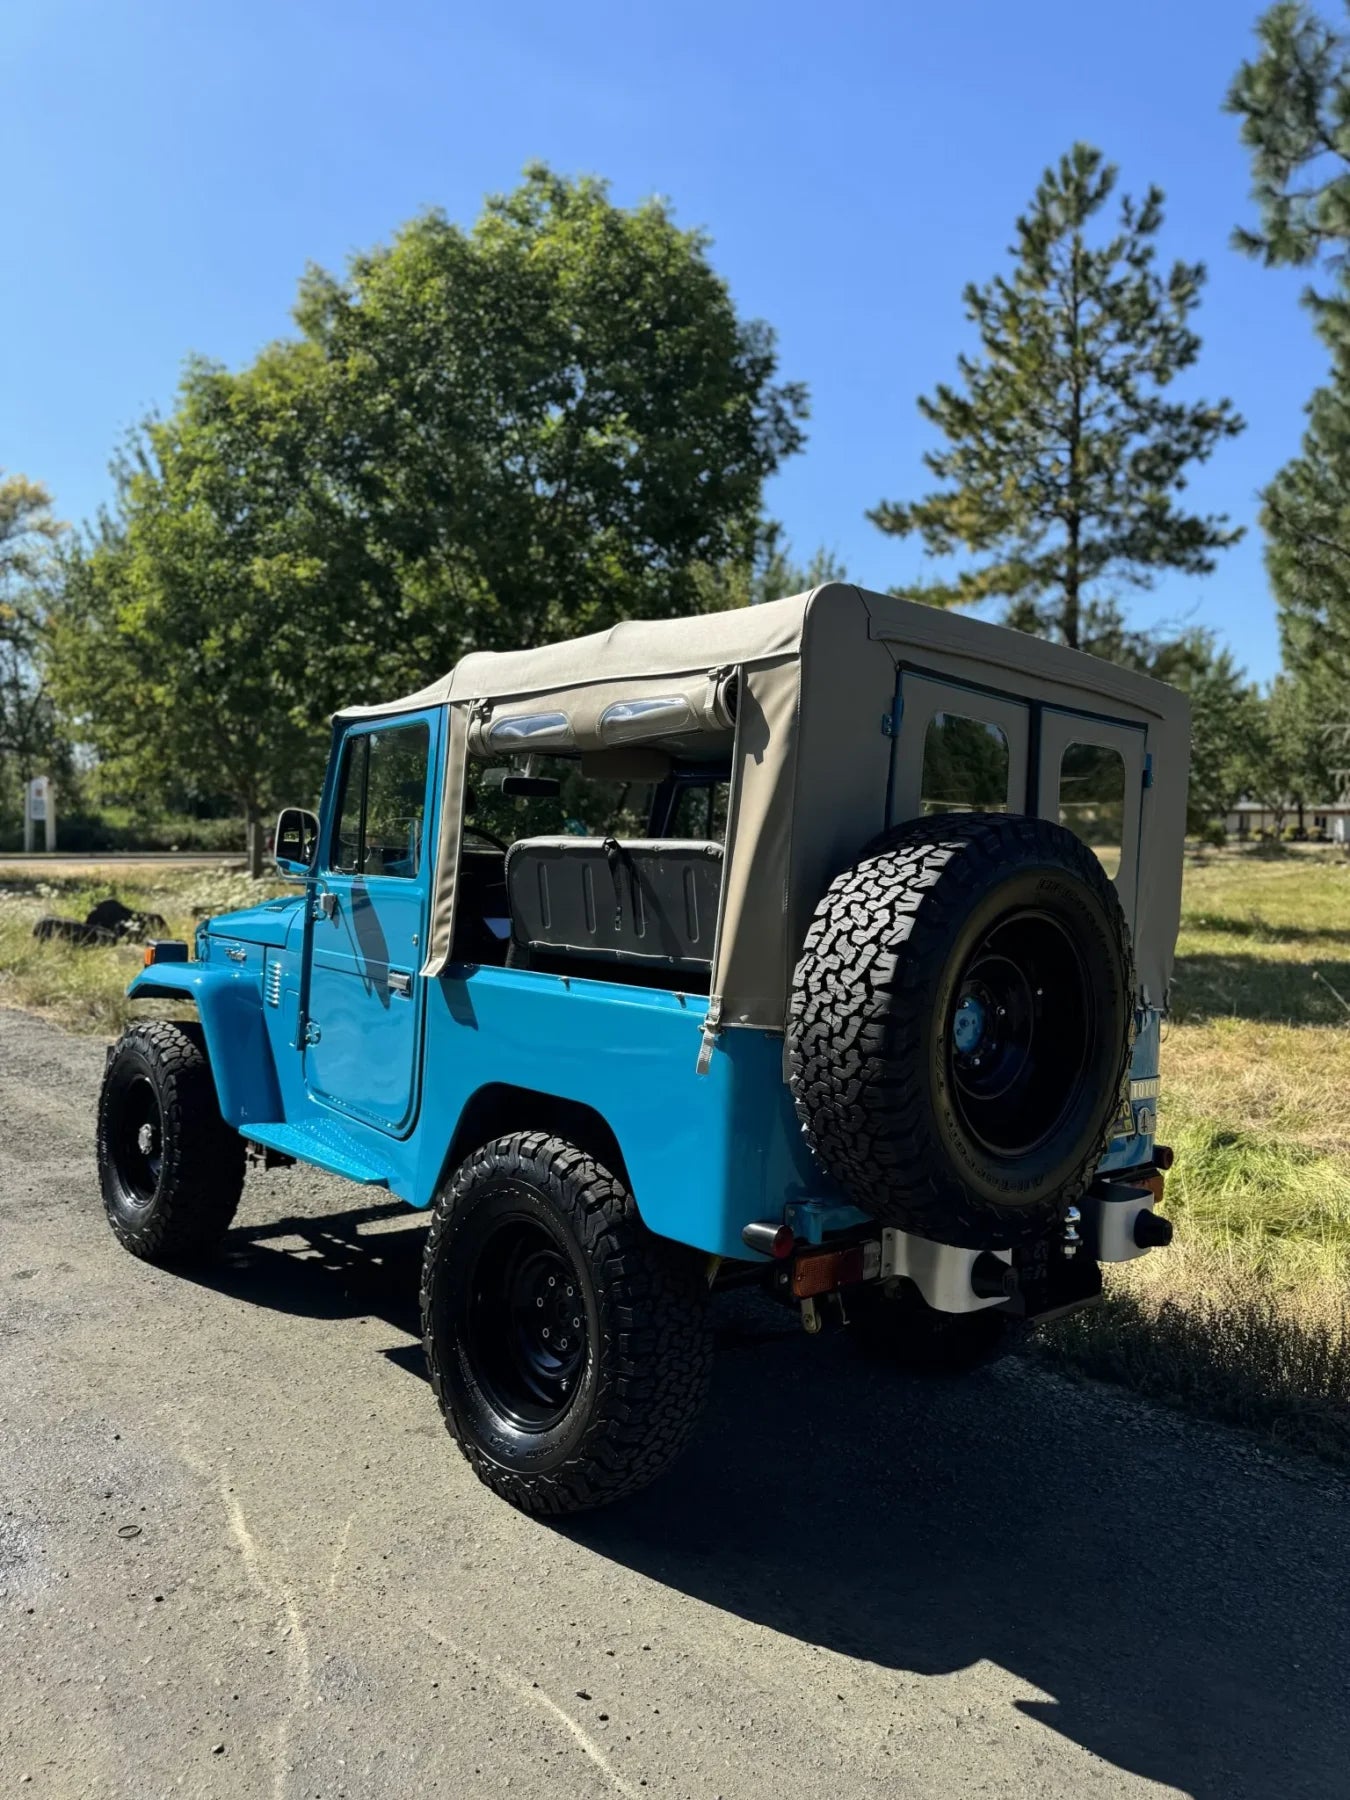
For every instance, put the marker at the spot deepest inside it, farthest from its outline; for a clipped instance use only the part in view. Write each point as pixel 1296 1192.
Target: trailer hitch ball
pixel 991 1278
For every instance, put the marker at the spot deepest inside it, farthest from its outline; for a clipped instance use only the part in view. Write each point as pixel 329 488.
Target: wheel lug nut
pixel 546 1331
pixel 562 1343
pixel 553 1281
pixel 540 1301
pixel 569 1293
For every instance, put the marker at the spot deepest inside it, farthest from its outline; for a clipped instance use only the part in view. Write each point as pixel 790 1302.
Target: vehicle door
pixel 1092 775
pixel 370 917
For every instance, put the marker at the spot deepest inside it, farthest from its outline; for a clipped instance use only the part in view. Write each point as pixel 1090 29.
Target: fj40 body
pixel 822 945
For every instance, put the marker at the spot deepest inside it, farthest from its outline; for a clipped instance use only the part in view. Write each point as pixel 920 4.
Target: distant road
pixel 239 1555
pixel 80 863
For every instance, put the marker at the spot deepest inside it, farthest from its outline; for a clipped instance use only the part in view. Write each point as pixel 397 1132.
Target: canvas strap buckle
pixel 712 1029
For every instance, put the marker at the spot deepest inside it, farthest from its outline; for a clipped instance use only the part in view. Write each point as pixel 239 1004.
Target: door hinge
pixel 1148 769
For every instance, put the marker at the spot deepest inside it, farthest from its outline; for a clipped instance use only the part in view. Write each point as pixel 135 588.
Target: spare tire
pixel 960 1026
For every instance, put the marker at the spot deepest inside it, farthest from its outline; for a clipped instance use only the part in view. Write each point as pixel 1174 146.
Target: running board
pixel 323 1143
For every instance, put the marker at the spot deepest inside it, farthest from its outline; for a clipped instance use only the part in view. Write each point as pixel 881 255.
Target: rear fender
pixel 229 1005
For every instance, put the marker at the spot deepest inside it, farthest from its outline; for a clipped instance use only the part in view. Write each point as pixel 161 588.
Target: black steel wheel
pixel 568 1348
pixel 1019 1033
pixel 525 1321
pixel 170 1169
pixel 961 1024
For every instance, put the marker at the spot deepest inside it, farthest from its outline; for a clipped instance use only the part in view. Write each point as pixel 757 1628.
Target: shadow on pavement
pixel 1184 1605
pixel 1189 1621
pixel 362 1263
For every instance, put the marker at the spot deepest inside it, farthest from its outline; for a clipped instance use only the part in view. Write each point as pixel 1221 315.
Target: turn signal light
pixel 160 950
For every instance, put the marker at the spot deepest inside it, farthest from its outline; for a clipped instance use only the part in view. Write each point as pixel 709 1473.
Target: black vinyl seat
pixel 633 909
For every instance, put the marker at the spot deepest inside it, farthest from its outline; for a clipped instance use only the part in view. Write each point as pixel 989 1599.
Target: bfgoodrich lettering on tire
pixel 960 1025
pixel 569 1348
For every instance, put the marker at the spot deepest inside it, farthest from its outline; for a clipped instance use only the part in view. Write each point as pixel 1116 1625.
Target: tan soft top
pixel 813 750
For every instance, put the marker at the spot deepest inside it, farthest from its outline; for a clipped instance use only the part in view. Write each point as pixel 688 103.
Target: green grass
pixel 1247 1316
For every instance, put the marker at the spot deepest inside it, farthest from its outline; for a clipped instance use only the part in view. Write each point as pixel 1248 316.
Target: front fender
pixel 229 1005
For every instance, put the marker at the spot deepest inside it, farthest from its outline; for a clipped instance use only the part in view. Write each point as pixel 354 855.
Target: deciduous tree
pixel 29 535
pixel 479 438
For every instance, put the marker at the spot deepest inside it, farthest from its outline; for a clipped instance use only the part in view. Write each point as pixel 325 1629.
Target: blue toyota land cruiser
pixel 823 945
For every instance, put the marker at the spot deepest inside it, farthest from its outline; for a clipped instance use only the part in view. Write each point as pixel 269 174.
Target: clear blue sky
pixel 170 168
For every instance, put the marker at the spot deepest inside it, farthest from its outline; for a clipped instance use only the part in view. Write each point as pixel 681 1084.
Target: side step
pixel 324 1143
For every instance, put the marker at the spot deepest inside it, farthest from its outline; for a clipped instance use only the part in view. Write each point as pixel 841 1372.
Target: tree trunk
pixel 1071 606
pixel 253 838
pixel 1074 520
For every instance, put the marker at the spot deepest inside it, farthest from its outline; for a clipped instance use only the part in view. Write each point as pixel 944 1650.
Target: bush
pixel 82 832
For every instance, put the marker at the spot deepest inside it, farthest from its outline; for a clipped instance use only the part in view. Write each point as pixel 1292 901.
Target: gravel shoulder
pixel 239 1555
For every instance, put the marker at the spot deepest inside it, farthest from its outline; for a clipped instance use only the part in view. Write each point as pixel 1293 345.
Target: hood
pixel 266 924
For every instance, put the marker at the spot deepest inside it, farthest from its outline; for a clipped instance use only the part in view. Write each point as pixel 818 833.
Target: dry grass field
pixel 1246 1316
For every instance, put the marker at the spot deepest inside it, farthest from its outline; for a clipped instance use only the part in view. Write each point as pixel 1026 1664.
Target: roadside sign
pixel 39 809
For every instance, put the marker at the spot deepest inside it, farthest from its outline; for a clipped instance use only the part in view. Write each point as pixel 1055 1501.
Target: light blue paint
pixel 367 947
pixel 227 999
pixel 704 1156
pixel 968 1024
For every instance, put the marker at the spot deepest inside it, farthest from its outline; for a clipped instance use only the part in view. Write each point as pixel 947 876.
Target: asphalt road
pixel 239 1555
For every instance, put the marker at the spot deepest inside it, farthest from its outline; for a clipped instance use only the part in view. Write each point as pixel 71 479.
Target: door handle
pixel 400 981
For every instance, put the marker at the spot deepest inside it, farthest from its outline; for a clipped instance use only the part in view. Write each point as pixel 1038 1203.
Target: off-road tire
pixel 176 1204
pixel 648 1349
pixel 905 1333
pixel 871 1020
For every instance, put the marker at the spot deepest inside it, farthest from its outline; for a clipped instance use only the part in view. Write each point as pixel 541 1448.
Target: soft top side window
pixel 1092 799
pixel 965 766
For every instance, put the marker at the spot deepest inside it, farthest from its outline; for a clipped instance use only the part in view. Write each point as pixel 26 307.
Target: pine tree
pixel 1065 454
pixel 1294 102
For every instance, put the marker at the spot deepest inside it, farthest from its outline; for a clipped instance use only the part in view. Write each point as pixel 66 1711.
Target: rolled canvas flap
pixel 601 716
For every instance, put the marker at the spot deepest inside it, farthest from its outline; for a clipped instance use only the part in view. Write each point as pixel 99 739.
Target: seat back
pixel 651 903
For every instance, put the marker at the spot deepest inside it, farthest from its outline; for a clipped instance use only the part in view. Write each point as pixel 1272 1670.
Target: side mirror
pixel 295 841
